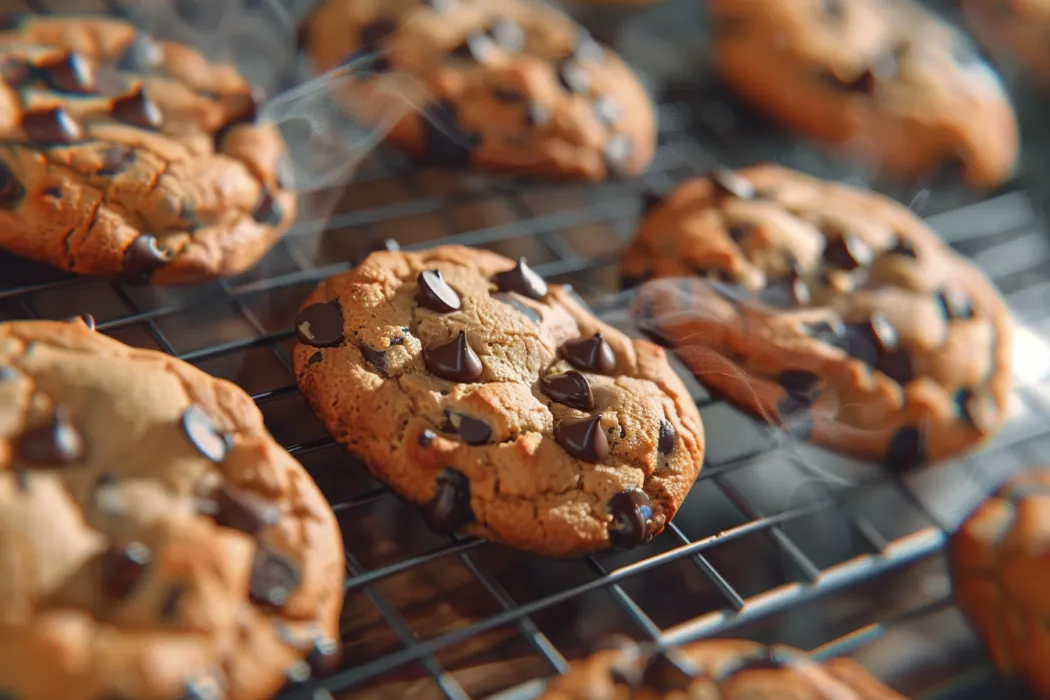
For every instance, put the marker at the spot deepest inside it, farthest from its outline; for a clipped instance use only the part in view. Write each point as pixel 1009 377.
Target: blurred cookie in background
pixel 1019 29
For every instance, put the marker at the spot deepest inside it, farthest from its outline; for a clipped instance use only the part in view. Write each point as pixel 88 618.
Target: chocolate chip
pixel 68 73
pixel 521 279
pixel 508 35
pixel 630 281
pixel 905 450
pixel 668 671
pixel 449 509
pixel 244 511
pixel 142 258
pixel 571 389
pixel 11 190
pixel 204 435
pixel 733 184
pixel 375 32
pixel 978 409
pixel 274 578
pixel 870 340
pixel 631 511
pixel 137 109
pixel 121 569
pixel 473 430
pixel 445 141
pixel 832 10
pixel 834 333
pixel 904 247
pixel 169 607
pixel 376 358
pixel 387 244
pixel 86 319
pixel 315 358
pixel 586 48
pixel 320 325
pixel 116 159
pixel 848 252
pixel 57 443
pixel 268 210
pixel 536 114
pixel 51 126
pixel 607 110
pixel 651 200
pixel 140 56
pixel 787 292
pixel 573 76
pixel 583 439
pixel 477 47
pixel 524 309
pixel 896 365
pixel 432 292
pixel 325 656
pixel 591 354
pixel 955 305
pixel 667 439
pixel 617 154
pixel 426 438
pixel 455 361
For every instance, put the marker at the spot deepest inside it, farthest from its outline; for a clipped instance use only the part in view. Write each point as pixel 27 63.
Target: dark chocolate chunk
pixel 631 511
pixel 525 309
pixel 905 450
pixel 87 319
pixel 376 358
pixel 375 32
pixel 617 154
pixel 455 361
pixel 325 656
pixel 508 35
pixel 955 305
pixel 848 252
pixel 832 10
pixel 268 210
pixel 244 511
pixel 651 200
pixel 473 430
pixel 978 409
pixel 571 389
pixel 800 386
pixel 787 292
pixel 51 126
pixel 142 258
pixel 68 73
pixel 121 569
pixel 904 247
pixel 445 141
pixel 668 671
pixel 607 110
pixel 204 435
pixel 137 109
pixel 733 183
pixel 508 96
pixel 433 292
pixel 55 192
pixel 591 354
pixel 57 443
pixel 834 333
pixel 11 190
pixel 116 159
pixel 896 364
pixel 536 114
pixel 583 439
pixel 315 358
pixel 573 76
pixel 630 281
pixel 449 509
pixel 320 325
pixel 667 439
pixel 426 438
pixel 871 339
pixel 477 47
pixel 169 607
pixel 521 279
pixel 140 56
pixel 274 578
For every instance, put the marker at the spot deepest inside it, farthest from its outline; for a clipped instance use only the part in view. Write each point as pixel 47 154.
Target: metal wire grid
pixel 831 571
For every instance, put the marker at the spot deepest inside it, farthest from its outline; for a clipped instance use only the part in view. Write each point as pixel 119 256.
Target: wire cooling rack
pixel 776 542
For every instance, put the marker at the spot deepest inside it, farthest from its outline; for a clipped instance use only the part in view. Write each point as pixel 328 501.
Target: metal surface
pixel 778 541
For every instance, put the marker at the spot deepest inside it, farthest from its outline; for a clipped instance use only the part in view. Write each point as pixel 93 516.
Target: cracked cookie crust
pixel 125 157
pixel 155 542
pixel 496 402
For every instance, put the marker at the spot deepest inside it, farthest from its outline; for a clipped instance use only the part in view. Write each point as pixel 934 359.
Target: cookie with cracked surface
pixel 883 81
pixel 715 668
pixel 156 541
pixel 1015 27
pixel 998 560
pixel 131 158
pixel 496 402
pixel 513 86
pixel 825 308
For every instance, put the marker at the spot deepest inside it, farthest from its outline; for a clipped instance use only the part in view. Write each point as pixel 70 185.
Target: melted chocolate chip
pixel 524 309
pixel 507 95
pixel 140 56
pixel 449 509
pixel 169 607
pixel 955 305
pixel 51 126
pixel 631 511
pixel 433 293
pixel 274 578
pixel 591 354
pixel 521 279
pixel 896 364
pixel 978 409
pixel 476 47
pixel 508 35
pixel 11 190
pixel 870 340
pixel 848 252
pixel 315 358
pixel 584 439
pixel 204 435
pixel 667 439
pixel 455 361
pixel 733 184
pixel 800 386
pixel 244 511
pixel 473 430
pixel 573 76
pixel 787 292
pixel 268 210
pixel 903 247
pixel 905 450
pixel 617 154
pixel 86 319
pixel 142 258
pixel 320 325
pixel 536 114
pixel 571 389
pixel 668 671
pixel 121 569
pixel 376 358
pixel 325 656
pixel 375 32
pixel 445 141
pixel 68 73
pixel 58 443
pixel 426 438
pixel 607 110
pixel 137 109
pixel 116 159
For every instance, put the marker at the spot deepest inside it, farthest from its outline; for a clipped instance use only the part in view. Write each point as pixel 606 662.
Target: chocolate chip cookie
pixel 829 310
pixel 132 158
pixel 1017 27
pixel 513 86
pixel 714 668
pixel 997 561
pixel 883 81
pixel 496 402
pixel 156 541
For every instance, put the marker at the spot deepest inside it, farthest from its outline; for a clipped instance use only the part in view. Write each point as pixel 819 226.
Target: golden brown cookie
pixel 497 403
pixel 826 309
pixel 155 542
pixel 883 81
pixel 714 669
pixel 1018 27
pixel 999 559
pixel 512 85
pixel 131 158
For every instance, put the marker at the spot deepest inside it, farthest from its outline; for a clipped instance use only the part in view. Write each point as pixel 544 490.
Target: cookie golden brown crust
pixel 512 85
pixel 155 542
pixel 486 397
pixel 883 81
pixel 827 309
pixel 714 669
pixel 998 560
pixel 1018 27
pixel 129 158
